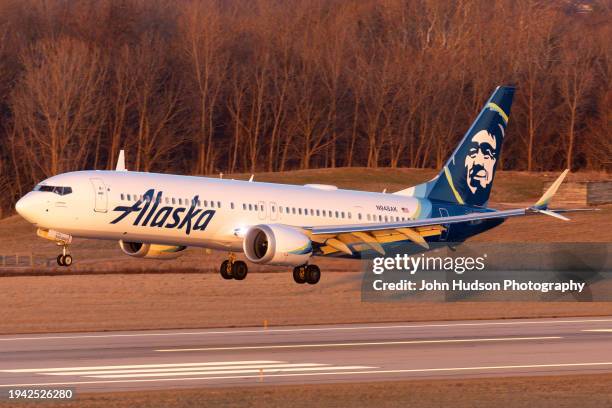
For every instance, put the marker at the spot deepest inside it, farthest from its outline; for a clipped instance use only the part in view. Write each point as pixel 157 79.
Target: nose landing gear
pixel 64 259
pixel 310 274
pixel 233 269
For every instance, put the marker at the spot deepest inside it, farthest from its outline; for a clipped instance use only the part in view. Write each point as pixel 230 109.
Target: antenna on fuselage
pixel 121 161
pixel 252 177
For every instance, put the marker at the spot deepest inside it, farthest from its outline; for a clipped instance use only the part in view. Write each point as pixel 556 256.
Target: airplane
pixel 160 215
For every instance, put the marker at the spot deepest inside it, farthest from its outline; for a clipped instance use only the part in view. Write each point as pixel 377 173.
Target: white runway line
pixel 118 367
pixel 265 372
pixel 598 330
pixel 371 343
pixel 186 369
pixel 308 329
pixel 344 373
pixel 207 369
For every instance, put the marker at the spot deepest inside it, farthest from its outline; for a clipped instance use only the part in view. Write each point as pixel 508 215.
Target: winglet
pixel 546 197
pixel 121 161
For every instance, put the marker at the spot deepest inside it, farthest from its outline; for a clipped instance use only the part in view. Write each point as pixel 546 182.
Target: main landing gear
pixel 307 274
pixel 64 259
pixel 233 269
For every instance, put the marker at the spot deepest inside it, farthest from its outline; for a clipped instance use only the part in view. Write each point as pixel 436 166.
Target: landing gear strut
pixel 307 274
pixel 233 269
pixel 64 259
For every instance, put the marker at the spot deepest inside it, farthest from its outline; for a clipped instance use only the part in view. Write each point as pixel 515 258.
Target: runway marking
pixel 264 370
pixel 356 344
pixel 308 329
pixel 230 367
pixel 598 330
pixel 118 367
pixel 343 373
pixel 187 369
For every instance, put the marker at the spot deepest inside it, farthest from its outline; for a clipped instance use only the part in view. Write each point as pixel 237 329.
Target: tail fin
pixel 467 177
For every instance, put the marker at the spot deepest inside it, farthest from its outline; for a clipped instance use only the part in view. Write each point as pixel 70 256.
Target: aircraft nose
pixel 26 207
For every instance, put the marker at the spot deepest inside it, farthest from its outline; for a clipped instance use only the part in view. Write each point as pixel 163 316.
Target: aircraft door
pixel 444 234
pixel 100 195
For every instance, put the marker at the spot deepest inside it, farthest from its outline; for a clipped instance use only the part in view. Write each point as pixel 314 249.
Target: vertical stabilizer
pixel 467 176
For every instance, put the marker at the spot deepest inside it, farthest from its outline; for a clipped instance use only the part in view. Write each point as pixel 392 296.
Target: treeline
pixel 269 85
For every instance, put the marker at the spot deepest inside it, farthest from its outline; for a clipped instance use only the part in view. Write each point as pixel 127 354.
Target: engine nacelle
pixel 277 245
pixel 141 250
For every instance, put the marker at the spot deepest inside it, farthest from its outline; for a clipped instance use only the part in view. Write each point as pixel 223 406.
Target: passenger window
pixel 300 211
pixel 342 214
pixel 212 204
pixel 337 216
pixel 349 215
pixel 293 210
pixel 129 197
pixel 318 213
pixel 122 198
pixel 218 204
pixel 232 205
pixel 250 207
pixel 173 200
pixel 359 216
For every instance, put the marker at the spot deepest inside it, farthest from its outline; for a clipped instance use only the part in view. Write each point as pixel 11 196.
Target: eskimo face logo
pixel 480 161
pixel 191 218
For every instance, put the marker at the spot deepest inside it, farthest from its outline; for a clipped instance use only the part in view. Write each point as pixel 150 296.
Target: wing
pixel 337 238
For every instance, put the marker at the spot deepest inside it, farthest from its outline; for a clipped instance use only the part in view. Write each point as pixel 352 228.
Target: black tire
pixel 67 260
pixel 299 274
pixel 239 270
pixel 313 274
pixel 226 270
pixel 60 260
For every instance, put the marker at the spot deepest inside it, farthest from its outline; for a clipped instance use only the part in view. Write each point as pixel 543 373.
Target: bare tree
pixel 57 106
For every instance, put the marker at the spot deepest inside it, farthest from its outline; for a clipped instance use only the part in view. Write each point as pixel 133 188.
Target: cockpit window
pixel 54 189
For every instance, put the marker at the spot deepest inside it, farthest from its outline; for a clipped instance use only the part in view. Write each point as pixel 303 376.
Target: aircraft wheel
pixel 313 274
pixel 67 260
pixel 226 270
pixel 239 270
pixel 60 260
pixel 299 274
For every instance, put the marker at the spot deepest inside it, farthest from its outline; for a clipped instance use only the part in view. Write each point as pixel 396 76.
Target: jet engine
pixel 277 245
pixel 157 251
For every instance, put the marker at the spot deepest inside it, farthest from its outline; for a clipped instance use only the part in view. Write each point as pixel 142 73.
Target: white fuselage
pixel 110 205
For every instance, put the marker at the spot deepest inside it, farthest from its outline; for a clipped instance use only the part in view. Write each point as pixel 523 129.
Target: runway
pixel 117 361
